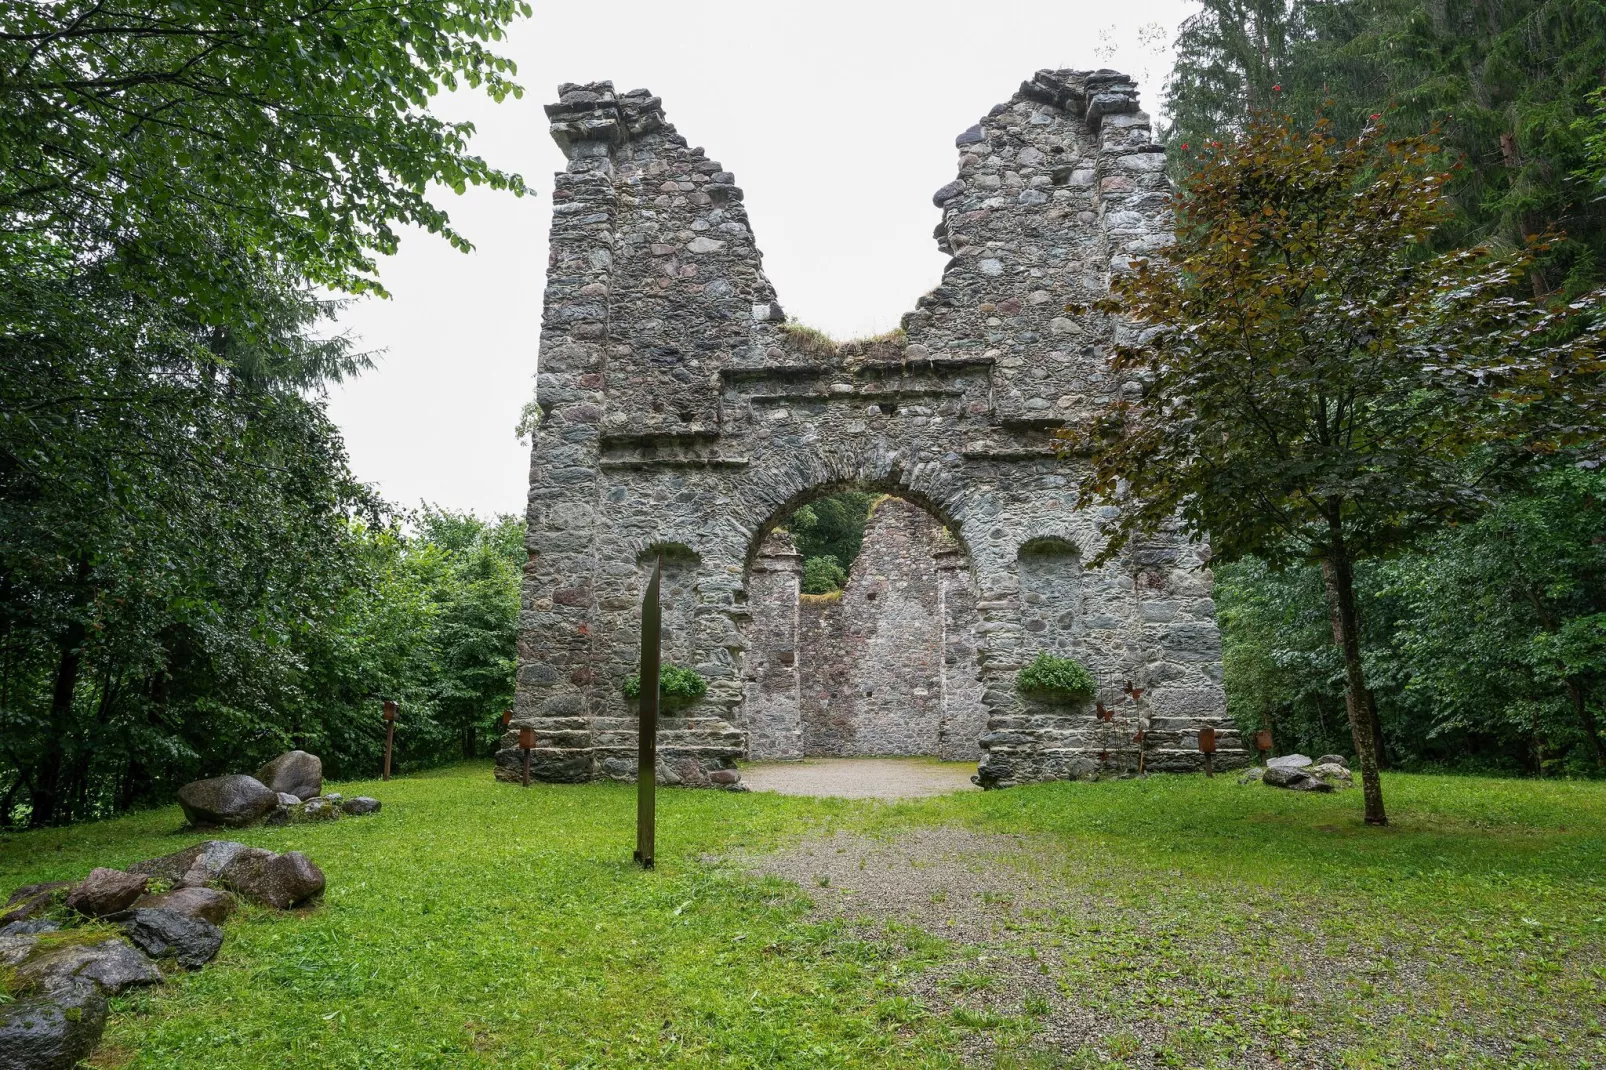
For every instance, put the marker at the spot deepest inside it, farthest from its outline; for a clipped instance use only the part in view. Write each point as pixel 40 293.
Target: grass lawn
pixel 1202 924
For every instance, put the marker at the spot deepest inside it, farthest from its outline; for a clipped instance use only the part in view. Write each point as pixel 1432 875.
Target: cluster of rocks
pixel 1296 772
pixel 168 909
pixel 286 791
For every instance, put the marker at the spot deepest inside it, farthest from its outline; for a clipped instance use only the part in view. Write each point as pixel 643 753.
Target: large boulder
pixel 1294 779
pixel 194 866
pixel 1332 759
pixel 51 1031
pixel 32 900
pixel 112 964
pixel 106 891
pixel 280 881
pixel 295 772
pixel 234 801
pixel 360 805
pixel 162 933
pixel 207 904
pixel 1289 761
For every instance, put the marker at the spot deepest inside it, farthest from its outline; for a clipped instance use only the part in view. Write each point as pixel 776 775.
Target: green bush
pixel 1056 678
pixel 675 684
pixel 822 575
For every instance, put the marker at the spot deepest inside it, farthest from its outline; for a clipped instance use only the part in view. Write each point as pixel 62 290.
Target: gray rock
pixel 31 925
pixel 208 904
pixel 106 891
pixel 112 964
pixel 192 941
pixel 334 797
pixel 361 805
pixel 1252 774
pixel 286 799
pixel 235 801
pixel 280 881
pixel 194 866
pixel 1332 759
pixel 1289 761
pixel 32 900
pixel 1334 774
pixel 15 947
pixel 320 809
pixel 970 136
pixel 53 1031
pixel 947 193
pixel 1293 779
pixel 295 772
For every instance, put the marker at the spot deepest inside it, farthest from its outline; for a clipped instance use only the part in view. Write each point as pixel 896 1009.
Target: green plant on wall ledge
pixel 1056 679
pixel 676 686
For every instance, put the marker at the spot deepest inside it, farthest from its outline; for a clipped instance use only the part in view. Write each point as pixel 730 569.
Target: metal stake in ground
pixel 526 744
pixel 647 746
pixel 1207 747
pixel 390 733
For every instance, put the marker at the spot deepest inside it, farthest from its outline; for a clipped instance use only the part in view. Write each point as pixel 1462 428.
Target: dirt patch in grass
pixel 1029 962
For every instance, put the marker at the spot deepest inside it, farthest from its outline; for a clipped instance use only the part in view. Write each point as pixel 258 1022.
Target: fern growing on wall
pixel 1056 679
pixel 675 684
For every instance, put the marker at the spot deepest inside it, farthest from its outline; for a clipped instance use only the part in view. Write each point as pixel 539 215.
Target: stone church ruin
pixel 683 420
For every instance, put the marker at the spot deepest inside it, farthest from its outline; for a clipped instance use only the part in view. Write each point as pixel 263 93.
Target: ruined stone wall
pixel 679 413
pixel 872 658
pixel 772 704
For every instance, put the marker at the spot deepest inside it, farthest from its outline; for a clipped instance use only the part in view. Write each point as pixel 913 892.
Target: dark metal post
pixel 647 748
pixel 526 744
pixel 390 733
pixel 1207 744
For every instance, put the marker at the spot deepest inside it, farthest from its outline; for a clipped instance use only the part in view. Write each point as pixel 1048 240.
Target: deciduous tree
pixel 1315 387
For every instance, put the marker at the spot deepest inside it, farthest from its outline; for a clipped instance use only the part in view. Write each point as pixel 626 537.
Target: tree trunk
pixel 470 741
pixel 46 784
pixel 1340 583
pixel 1586 719
pixel 1377 730
pixel 46 795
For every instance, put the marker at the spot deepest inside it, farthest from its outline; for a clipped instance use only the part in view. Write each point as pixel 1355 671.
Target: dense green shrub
pixel 675 684
pixel 1057 679
pixel 824 574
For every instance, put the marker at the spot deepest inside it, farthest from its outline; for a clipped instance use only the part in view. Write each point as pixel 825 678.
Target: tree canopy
pixel 1316 387
pixel 180 535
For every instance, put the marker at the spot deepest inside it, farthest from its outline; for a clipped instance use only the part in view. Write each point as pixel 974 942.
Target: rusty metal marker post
pixel 647 748
pixel 1207 746
pixel 526 744
pixel 390 733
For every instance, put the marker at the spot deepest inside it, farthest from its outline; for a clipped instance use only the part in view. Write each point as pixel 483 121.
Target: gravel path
pixel 861 778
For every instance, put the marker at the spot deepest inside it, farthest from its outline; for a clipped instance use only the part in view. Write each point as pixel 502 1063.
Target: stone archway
pixel 885 667
pixel 679 409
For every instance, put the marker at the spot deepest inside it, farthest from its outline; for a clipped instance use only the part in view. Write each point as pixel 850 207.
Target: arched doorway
pixel 883 666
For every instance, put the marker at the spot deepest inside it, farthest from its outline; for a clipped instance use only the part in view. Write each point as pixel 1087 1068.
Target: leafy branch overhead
pixel 299 129
pixel 1302 362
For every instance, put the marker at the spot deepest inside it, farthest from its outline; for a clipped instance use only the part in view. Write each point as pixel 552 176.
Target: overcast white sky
pixel 837 118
